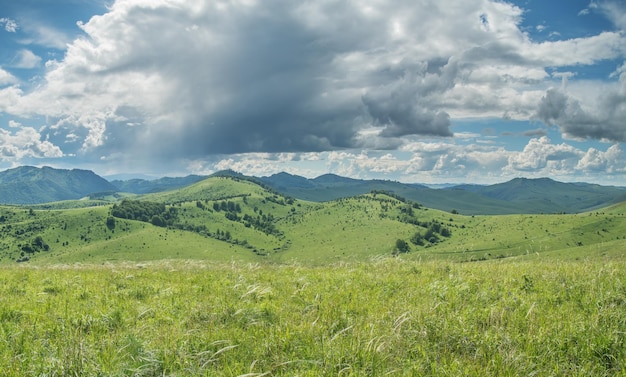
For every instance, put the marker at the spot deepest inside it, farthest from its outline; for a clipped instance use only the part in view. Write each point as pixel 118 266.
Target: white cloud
pixel 539 153
pixel 44 35
pixel 25 142
pixel 173 80
pixel 9 25
pixel 26 59
pixel 7 78
pixel 612 161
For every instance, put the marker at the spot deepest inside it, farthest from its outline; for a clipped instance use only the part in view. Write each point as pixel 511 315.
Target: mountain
pixel 550 196
pixel 145 186
pixel 520 195
pixel 31 185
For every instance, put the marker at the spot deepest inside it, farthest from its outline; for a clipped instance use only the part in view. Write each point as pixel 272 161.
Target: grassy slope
pixel 538 312
pixel 349 230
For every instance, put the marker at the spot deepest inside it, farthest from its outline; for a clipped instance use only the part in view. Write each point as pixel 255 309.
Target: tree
pixel 402 246
pixel 111 223
pixel 418 239
pixel 158 221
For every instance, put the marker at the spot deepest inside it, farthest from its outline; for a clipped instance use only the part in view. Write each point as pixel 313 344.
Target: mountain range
pixel 30 185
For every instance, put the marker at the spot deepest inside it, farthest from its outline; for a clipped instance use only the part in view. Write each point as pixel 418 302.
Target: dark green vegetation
pixel 228 277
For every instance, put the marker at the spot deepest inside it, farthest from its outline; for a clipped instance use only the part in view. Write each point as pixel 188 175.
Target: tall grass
pixel 386 316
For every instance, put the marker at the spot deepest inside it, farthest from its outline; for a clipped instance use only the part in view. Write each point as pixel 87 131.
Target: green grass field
pixel 269 227
pixel 383 317
pixel 245 282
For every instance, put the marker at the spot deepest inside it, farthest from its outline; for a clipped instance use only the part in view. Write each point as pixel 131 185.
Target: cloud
pixel 540 154
pixel 25 142
pixel 41 34
pixel 26 59
pixel 596 161
pixel 404 106
pixel 9 25
pixel 539 132
pixel 169 80
pixel 433 162
pixel 614 11
pixel 603 121
pixel 7 78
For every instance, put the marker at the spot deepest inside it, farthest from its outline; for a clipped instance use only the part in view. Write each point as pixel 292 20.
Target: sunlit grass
pixel 541 317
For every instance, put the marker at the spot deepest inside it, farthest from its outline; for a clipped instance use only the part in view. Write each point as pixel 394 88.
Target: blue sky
pixel 475 92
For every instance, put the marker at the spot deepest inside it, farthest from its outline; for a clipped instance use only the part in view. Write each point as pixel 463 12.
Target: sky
pixel 420 91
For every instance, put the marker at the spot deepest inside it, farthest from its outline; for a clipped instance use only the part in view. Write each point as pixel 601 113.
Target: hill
pixel 233 218
pixel 519 195
pixel 31 185
pixel 145 186
pixel 551 195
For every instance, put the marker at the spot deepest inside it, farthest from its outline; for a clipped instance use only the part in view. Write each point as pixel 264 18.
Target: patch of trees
pixel 38 244
pixel 401 247
pixel 262 222
pixel 227 206
pixel 432 235
pixel 280 200
pixel 399 198
pixel 155 213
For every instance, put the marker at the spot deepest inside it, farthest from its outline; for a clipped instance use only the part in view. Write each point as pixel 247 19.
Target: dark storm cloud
pixel 605 122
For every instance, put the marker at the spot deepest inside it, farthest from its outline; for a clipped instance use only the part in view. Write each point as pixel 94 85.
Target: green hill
pixel 233 218
pixel 519 195
pixel 145 186
pixel 31 185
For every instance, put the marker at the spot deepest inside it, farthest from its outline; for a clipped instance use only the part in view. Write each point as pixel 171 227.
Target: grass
pixel 354 229
pixel 385 316
pixel 319 295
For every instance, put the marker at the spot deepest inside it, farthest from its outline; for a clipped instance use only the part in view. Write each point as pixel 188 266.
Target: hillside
pixel 230 218
pixel 31 185
pixel 530 196
pixel 550 195
pixel 145 186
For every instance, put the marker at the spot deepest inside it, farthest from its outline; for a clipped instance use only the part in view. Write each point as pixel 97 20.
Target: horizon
pixel 116 177
pixel 451 93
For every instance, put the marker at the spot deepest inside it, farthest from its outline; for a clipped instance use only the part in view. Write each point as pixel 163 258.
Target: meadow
pixel 387 316
pixel 227 278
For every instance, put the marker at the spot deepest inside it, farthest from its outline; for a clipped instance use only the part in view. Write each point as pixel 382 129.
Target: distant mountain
pixel 519 195
pixel 31 185
pixel 145 186
pixel 550 196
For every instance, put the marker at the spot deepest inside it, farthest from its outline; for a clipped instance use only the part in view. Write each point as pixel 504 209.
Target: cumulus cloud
pixel 539 153
pixel 596 161
pixel 604 120
pixel 165 80
pixel 25 142
pixel 7 78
